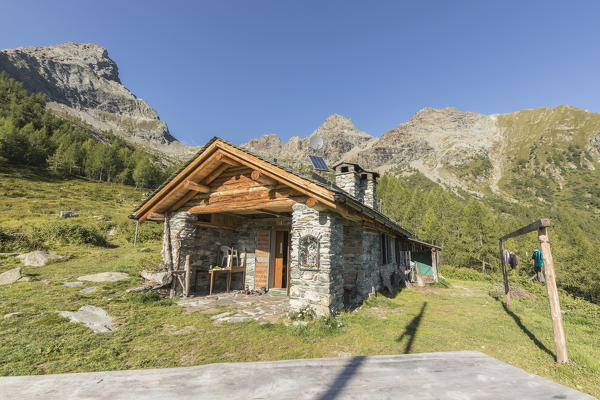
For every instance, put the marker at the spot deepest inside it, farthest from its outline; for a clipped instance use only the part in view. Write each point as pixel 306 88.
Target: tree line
pixel 31 135
pixel 468 228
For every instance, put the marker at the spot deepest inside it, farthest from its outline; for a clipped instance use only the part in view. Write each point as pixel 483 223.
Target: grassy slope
pixel 548 148
pixel 39 341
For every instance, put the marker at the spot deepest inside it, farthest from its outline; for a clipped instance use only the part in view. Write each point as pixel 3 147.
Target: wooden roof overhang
pixel 424 244
pixel 193 188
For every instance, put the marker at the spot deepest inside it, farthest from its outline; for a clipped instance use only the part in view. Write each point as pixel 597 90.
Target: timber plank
pixel 243 205
pixel 534 226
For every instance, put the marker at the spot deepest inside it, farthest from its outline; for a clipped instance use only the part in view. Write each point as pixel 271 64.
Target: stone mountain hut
pixel 262 225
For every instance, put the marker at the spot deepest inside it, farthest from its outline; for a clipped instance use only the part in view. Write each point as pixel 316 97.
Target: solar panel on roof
pixel 318 163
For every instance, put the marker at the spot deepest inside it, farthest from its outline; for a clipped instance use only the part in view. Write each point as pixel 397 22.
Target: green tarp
pixel 424 269
pixel 423 262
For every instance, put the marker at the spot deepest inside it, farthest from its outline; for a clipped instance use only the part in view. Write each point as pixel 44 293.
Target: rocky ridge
pixel 82 81
pixel 340 137
pixel 458 149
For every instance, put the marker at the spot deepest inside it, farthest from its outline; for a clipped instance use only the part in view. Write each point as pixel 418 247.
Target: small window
pixel 309 252
pixel 344 169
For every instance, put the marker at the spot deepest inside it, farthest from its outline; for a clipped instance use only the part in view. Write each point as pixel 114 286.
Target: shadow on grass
pixel 411 330
pixel 531 336
pixel 390 295
pixel 343 378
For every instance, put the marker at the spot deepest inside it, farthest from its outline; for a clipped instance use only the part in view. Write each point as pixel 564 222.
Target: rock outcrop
pixel 93 317
pixel 340 139
pixel 465 150
pixel 38 258
pixel 81 80
pixel 10 276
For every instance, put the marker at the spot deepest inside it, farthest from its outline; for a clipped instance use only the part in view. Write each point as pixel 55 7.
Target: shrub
pixel 306 313
pixel 66 233
pixel 320 327
pixel 16 241
pixel 146 232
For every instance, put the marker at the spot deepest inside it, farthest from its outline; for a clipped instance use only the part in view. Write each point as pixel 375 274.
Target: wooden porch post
pixel 504 274
pixel 560 343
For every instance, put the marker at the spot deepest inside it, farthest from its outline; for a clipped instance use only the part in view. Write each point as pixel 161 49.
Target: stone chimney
pixel 357 182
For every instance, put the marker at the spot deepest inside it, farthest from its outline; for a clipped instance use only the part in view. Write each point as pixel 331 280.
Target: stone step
pixel 278 292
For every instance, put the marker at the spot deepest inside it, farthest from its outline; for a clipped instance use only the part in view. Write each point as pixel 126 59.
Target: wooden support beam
pixel 534 226
pixel 262 178
pixel 226 160
pixel 504 274
pixel 196 187
pixel 181 202
pixel 211 225
pixel 311 202
pixel 188 276
pixel 243 205
pixel 215 174
pixel 560 343
pixel 156 216
pixel 243 194
pixel 270 213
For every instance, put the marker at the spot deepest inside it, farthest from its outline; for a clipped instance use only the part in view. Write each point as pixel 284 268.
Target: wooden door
pixel 261 272
pixel 280 264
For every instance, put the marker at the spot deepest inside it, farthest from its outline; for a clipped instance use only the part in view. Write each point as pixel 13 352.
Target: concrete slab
pixel 462 375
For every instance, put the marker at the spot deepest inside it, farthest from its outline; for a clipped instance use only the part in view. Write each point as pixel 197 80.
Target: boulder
pixel 38 258
pixel 93 317
pixel 105 277
pixel 73 284
pixel 68 214
pixel 156 278
pixel 111 232
pixel 10 276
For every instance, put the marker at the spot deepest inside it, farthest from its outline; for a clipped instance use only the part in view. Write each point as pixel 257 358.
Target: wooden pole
pixel 560 343
pixel 434 264
pixel 504 275
pixel 188 276
pixel 137 224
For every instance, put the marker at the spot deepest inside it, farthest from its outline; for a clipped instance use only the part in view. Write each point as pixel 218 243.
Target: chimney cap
pixel 356 168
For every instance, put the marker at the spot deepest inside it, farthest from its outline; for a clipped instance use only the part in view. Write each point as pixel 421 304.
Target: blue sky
pixel 240 69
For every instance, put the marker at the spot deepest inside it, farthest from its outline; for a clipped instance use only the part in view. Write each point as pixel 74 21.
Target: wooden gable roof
pixel 213 169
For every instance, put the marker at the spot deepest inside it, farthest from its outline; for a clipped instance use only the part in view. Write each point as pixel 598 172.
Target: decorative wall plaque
pixel 309 252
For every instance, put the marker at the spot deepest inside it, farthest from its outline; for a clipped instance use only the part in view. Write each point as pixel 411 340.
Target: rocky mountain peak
pixel 266 145
pixel 336 121
pixel 86 55
pixel 81 80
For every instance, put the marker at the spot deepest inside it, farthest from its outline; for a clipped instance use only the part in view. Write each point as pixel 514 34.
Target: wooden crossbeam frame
pixel 534 226
pixel 541 226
